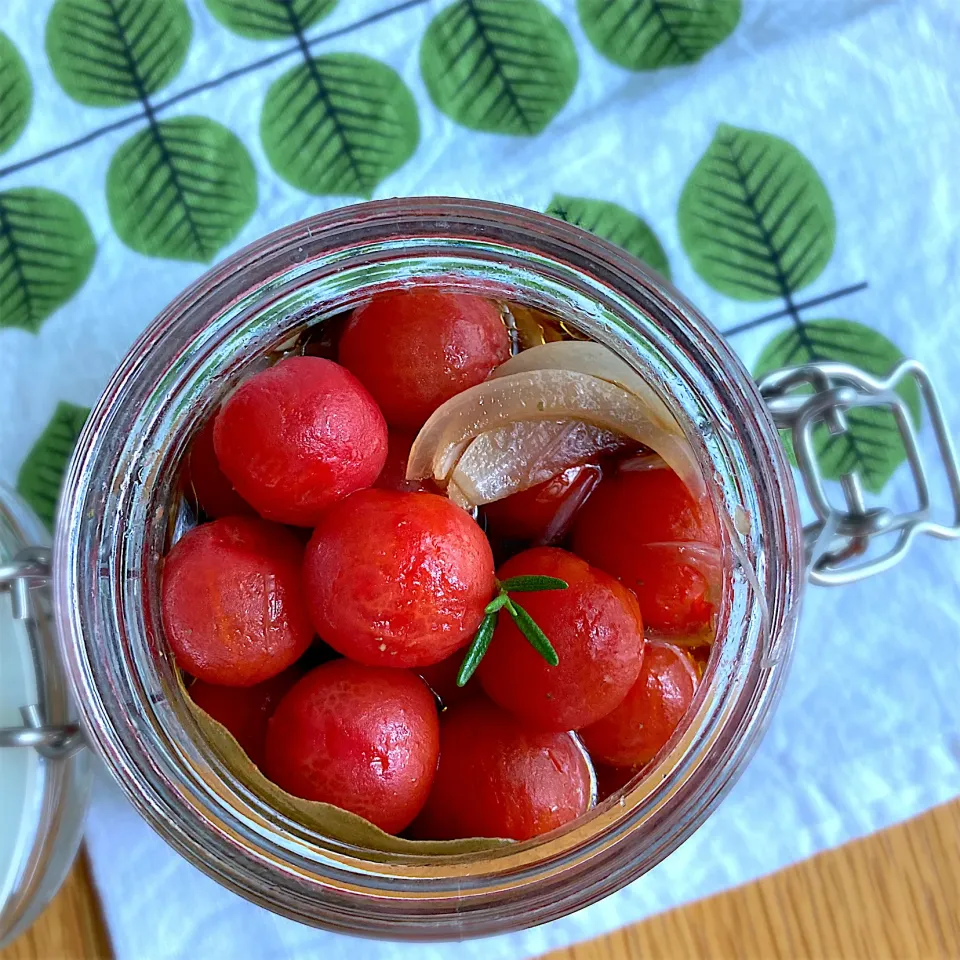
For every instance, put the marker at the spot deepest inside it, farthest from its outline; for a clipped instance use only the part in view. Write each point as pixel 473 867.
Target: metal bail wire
pixel 31 568
pixel 847 544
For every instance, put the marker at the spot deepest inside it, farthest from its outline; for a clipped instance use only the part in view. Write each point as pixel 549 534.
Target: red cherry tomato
pixel 596 629
pixel 678 590
pixel 232 601
pixel 498 779
pixel 362 738
pixel 634 733
pixel 245 711
pixel 397 579
pixel 415 349
pixel 298 436
pixel 393 476
pixel 651 505
pixel 204 480
pixel 631 527
pixel 543 514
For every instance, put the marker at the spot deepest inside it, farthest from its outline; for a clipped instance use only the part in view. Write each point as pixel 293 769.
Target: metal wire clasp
pixel 29 569
pixel 842 543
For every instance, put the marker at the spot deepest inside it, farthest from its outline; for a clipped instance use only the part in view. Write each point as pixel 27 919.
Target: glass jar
pixel 116 515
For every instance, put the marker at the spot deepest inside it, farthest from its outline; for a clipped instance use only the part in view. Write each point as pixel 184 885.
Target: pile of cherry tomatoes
pixel 323 610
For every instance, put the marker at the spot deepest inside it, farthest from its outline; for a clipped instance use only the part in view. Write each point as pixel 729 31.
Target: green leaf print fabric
pixel 506 66
pixel 649 34
pixel 114 52
pixel 755 218
pixel 46 251
pixel 338 125
pixel 42 471
pixel 16 93
pixel 790 167
pixel 871 446
pixel 269 19
pixel 613 223
pixel 181 188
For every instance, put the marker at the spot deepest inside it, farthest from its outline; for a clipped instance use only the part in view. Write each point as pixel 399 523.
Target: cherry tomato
pixel 415 349
pixel 543 514
pixel 363 738
pixel 393 476
pixel 397 579
pixel 631 527
pixel 634 732
pixel 497 778
pixel 298 436
pixel 596 630
pixel 245 711
pixel 654 504
pixel 679 593
pixel 204 479
pixel 232 601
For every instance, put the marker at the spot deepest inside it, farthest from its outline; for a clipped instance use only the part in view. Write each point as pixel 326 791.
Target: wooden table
pixel 895 894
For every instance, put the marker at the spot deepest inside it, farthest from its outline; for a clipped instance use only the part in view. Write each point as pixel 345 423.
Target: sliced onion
pixel 520 455
pixel 584 356
pixel 457 496
pixel 647 460
pixel 536 396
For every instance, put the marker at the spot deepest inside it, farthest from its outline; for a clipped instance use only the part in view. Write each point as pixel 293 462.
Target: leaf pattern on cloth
pixel 755 218
pixel 181 188
pixel 41 474
pixel 871 445
pixel 650 34
pixel 16 93
pixel 269 19
pixel 46 252
pixel 339 124
pixel 757 223
pixel 614 223
pixel 107 53
pixel 502 66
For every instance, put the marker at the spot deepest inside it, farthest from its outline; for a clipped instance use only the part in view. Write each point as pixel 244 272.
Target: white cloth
pixel 868 732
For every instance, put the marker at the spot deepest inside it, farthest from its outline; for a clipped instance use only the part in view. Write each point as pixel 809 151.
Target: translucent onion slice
pixel 457 496
pixel 520 455
pixel 584 356
pixel 647 460
pixel 542 395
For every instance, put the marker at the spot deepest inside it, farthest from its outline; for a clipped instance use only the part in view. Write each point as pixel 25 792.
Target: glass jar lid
pixel 44 775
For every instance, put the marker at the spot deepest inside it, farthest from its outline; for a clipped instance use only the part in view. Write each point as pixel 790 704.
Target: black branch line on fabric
pixel 151 108
pixel 793 309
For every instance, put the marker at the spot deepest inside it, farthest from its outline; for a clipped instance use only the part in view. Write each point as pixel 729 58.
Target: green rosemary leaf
pixel 537 638
pixel 496 603
pixel 477 649
pixel 530 583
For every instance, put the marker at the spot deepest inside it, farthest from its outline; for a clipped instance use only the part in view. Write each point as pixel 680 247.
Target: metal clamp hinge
pixel 842 544
pixel 31 568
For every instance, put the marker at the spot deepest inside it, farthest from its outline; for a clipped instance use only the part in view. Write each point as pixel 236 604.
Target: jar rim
pixel 111 528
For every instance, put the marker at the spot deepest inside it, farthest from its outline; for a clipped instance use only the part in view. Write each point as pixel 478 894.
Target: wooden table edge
pixel 894 894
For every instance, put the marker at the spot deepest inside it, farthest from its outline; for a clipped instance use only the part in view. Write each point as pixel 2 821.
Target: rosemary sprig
pixel 525 623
